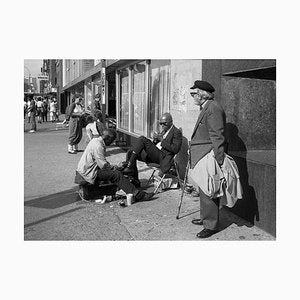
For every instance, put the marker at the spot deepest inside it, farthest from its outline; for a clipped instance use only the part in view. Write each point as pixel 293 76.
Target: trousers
pixel 117 178
pixel 209 211
pixel 147 151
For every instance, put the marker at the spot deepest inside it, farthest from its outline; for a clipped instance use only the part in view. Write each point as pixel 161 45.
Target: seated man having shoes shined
pixel 94 167
pixel 161 151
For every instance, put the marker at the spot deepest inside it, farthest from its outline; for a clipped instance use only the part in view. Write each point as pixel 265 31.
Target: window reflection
pixel 124 99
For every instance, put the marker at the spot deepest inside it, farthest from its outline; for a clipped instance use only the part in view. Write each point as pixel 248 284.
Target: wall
pixel 249 101
pixel 184 72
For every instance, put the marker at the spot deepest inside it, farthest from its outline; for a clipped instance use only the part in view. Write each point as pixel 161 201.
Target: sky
pixel 34 66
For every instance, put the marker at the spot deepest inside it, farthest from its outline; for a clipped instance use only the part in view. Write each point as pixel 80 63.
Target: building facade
pixel 137 92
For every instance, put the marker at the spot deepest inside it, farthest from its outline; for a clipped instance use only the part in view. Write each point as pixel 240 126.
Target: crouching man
pixel 93 166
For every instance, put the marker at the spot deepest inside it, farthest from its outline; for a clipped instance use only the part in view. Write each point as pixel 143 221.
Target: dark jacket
pixel 170 146
pixel 209 133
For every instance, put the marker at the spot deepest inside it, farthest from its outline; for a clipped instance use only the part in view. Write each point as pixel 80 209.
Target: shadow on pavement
pixel 53 217
pixel 55 200
pixel 227 218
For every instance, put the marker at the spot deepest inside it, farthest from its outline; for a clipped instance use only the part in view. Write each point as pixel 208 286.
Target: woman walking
pixel 52 111
pixel 45 110
pixel 32 110
pixel 39 106
pixel 75 111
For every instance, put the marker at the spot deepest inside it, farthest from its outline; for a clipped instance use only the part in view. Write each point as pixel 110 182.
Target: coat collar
pixel 200 117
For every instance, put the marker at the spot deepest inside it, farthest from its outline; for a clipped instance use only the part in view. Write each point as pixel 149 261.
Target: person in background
pixel 93 167
pixel 28 111
pixel 32 110
pixel 94 127
pixel 208 135
pixel 56 109
pixel 96 109
pixel 39 107
pixel 52 111
pixel 44 110
pixel 75 112
pixel 25 108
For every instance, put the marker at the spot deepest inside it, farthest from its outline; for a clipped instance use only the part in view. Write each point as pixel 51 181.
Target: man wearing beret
pixel 208 134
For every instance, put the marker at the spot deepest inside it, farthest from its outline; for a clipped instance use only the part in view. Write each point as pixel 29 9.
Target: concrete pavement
pixel 53 210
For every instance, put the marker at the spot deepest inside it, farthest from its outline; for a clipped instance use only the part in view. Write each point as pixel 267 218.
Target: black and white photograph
pixel 151 149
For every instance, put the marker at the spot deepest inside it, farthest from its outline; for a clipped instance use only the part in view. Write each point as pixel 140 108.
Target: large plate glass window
pixel 124 99
pixel 160 92
pixel 139 98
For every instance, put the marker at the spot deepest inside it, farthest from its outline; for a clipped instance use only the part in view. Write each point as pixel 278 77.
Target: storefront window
pixel 139 100
pixel 133 101
pixel 88 97
pixel 124 99
pixel 160 91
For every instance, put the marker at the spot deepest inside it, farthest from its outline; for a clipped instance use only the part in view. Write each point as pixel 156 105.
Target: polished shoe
pixel 131 166
pixel 128 171
pixel 143 196
pixel 197 222
pixel 135 182
pixel 205 233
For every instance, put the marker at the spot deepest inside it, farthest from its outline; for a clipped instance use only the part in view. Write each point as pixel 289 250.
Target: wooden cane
pixel 184 182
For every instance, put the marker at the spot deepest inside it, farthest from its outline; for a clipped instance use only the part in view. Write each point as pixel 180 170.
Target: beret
pixel 203 85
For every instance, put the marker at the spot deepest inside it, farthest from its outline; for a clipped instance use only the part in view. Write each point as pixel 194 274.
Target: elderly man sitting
pixel 161 151
pixel 93 166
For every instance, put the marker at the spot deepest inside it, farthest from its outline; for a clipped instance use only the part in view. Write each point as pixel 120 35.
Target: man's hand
pixel 107 166
pixel 157 136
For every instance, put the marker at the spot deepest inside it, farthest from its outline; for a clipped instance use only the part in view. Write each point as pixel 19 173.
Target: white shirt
pixel 91 129
pixel 52 107
pixel 39 104
pixel 92 159
pixel 158 145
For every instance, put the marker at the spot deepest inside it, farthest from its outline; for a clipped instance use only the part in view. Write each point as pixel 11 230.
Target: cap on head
pixel 203 85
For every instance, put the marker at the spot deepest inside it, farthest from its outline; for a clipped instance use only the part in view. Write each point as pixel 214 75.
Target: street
pixel 54 211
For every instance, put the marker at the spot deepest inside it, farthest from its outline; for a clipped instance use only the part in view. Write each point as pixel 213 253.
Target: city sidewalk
pixel 53 210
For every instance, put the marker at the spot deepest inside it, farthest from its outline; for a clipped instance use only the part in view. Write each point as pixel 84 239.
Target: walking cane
pixel 184 181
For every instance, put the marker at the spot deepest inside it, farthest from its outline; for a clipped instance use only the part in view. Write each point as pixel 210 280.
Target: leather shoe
pixel 205 233
pixel 143 196
pixel 197 222
pixel 128 171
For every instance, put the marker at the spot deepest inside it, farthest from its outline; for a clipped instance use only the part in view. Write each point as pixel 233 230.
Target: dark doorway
pixel 111 79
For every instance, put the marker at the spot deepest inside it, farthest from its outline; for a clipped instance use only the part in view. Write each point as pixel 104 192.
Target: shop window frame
pixel 129 68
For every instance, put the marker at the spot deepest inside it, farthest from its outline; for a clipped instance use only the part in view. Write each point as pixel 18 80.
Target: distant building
pixel 30 85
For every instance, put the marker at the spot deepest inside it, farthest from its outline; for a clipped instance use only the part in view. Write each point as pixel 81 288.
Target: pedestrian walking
pixel 39 107
pixel 45 110
pixel 75 112
pixel 208 135
pixel 28 110
pixel 56 110
pixel 25 108
pixel 52 111
pixel 32 110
